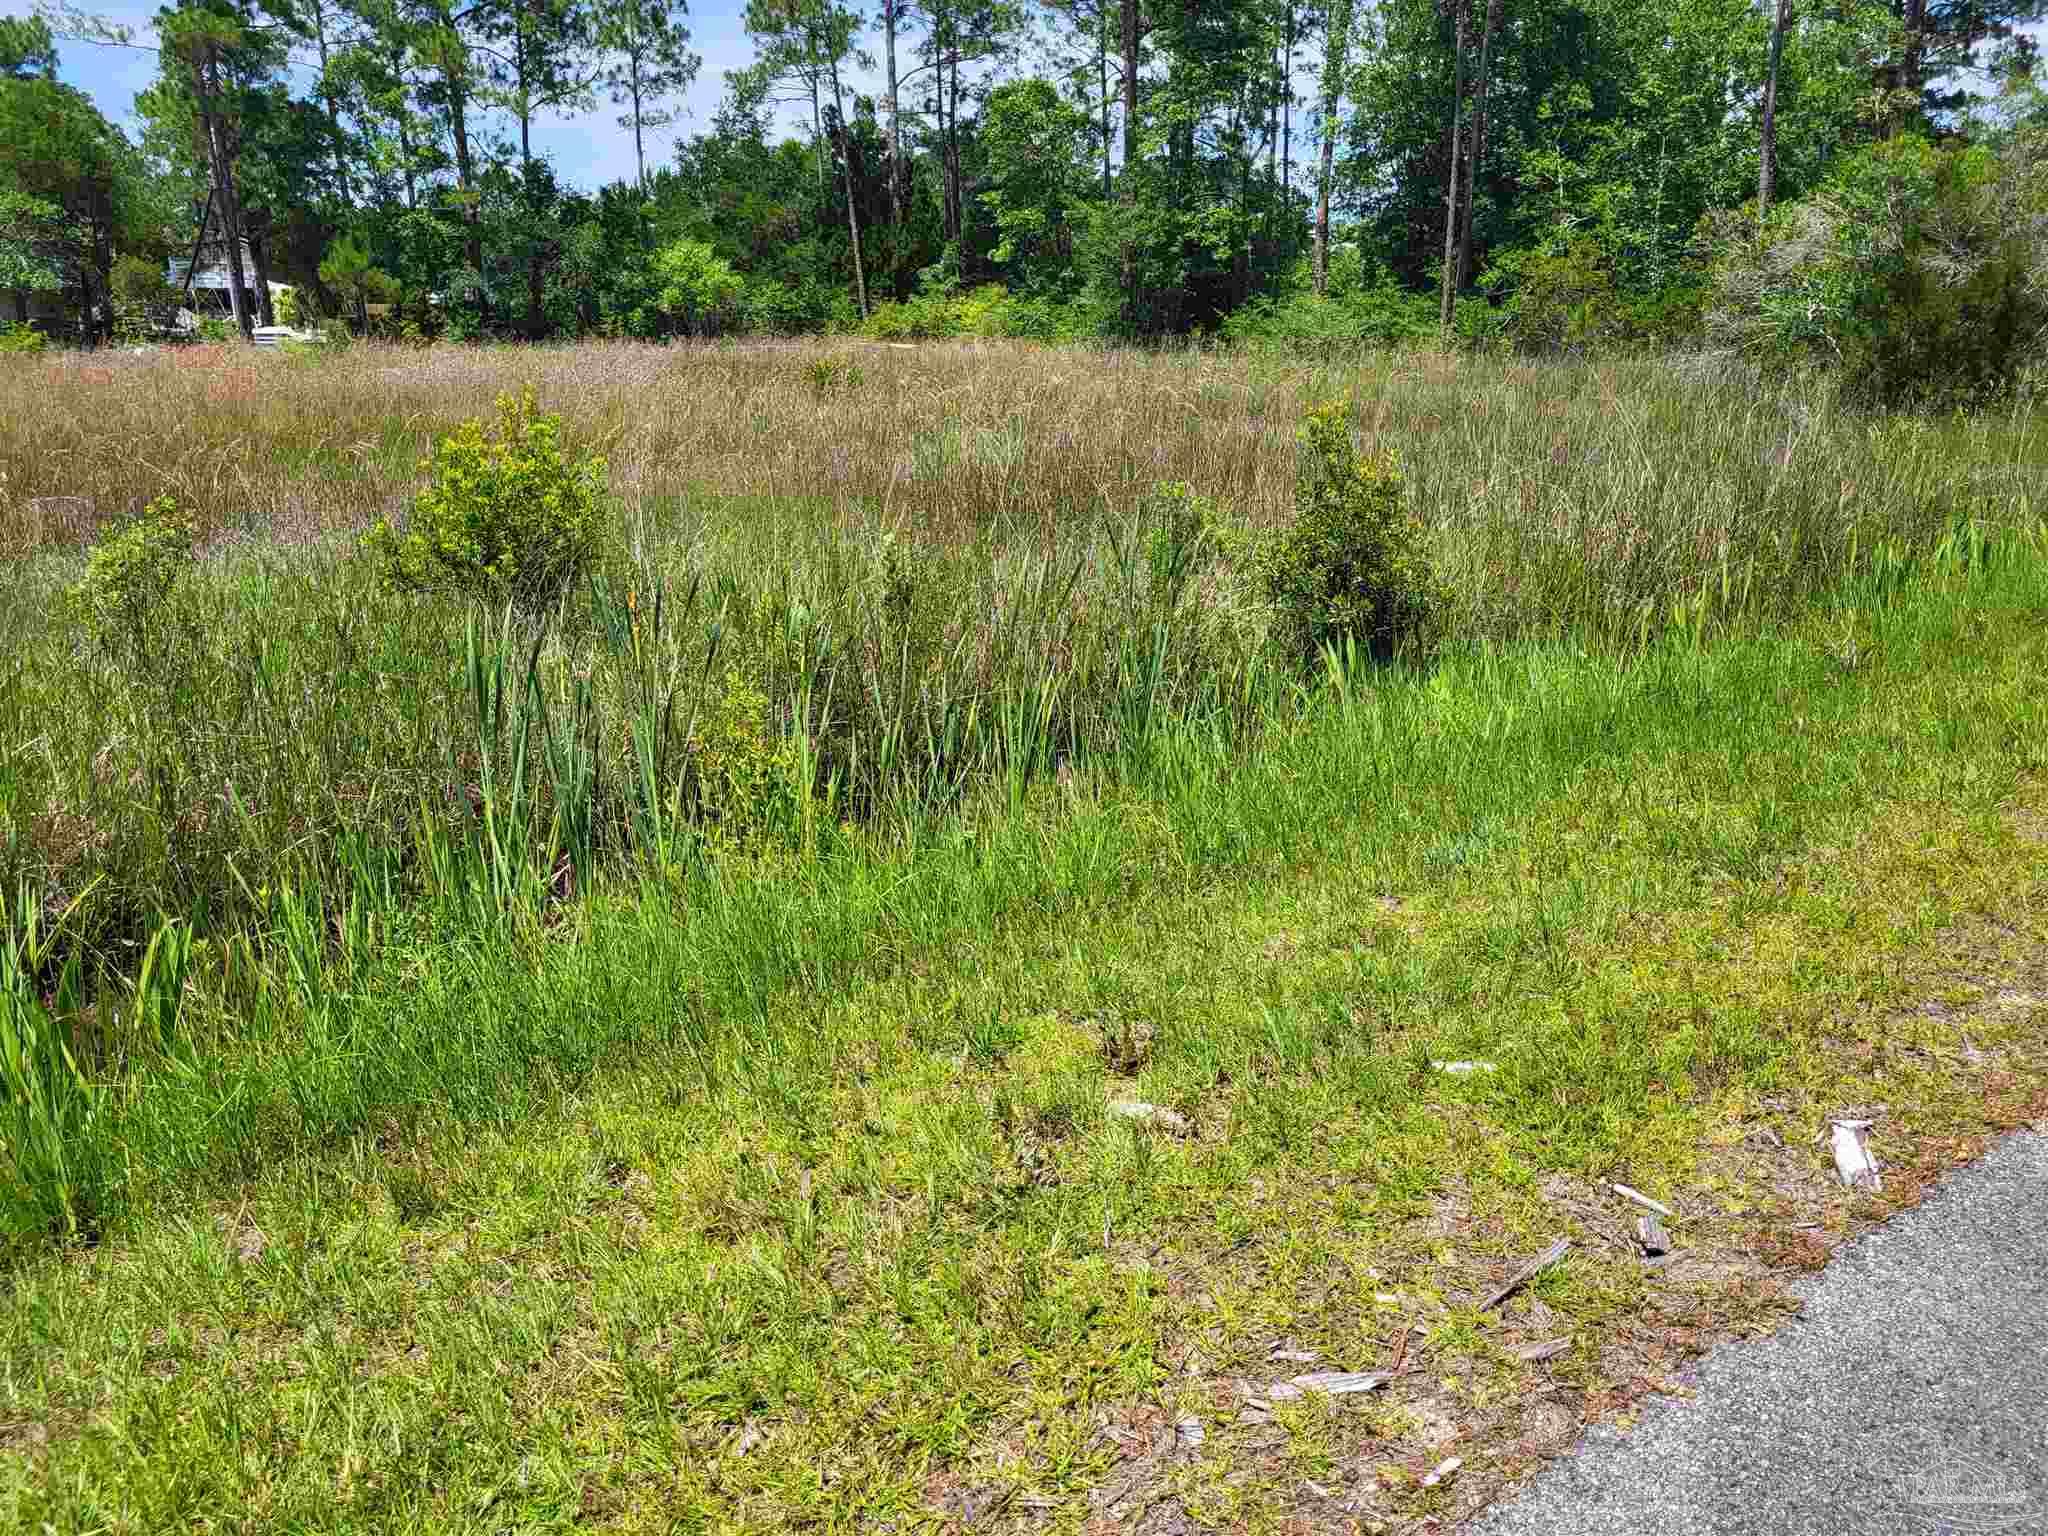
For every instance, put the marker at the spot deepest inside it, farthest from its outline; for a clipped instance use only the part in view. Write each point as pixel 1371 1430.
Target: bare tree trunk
pixel 1241 275
pixel 412 196
pixel 333 110
pixel 1448 295
pixel 1102 71
pixel 889 8
pixel 639 138
pixel 1767 130
pixel 1127 26
pixel 956 198
pixel 1287 107
pixel 1915 19
pixel 224 187
pixel 818 134
pixel 453 62
pixel 1336 55
pixel 259 256
pixel 1478 143
pixel 860 277
pixel 199 241
pixel 1127 18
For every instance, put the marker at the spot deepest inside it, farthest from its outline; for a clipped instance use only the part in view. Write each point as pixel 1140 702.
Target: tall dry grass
pixel 1559 491
pixel 933 573
pixel 836 605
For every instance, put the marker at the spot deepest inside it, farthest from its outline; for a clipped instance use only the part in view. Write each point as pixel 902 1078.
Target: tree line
pixel 1050 167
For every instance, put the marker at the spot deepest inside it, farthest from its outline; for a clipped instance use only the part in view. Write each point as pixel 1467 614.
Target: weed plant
pixel 774 696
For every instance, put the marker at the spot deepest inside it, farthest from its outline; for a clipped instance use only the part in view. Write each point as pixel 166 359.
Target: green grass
pixel 656 1071
pixel 783 1190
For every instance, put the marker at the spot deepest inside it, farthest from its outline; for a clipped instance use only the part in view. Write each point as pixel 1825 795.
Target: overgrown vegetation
pixel 508 515
pixel 129 576
pixel 917 574
pixel 1351 569
pixel 1562 174
pixel 1917 271
pixel 701 1163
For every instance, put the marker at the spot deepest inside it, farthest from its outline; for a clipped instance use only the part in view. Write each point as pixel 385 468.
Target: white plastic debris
pixel 1443 1470
pixel 1159 1114
pixel 1188 1433
pixel 1643 1200
pixel 1334 1383
pixel 1853 1159
pixel 1464 1068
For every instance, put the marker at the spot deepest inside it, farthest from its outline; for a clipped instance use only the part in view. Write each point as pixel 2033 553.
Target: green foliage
pixel 750 788
pixel 1913 271
pixel 508 515
pixel 130 575
pixel 21 341
pixel 347 269
pixel 215 330
pixel 138 280
pixel 1560 294
pixel 1351 566
pixel 989 310
pixel 145 301
pixel 1036 145
pixel 700 292
pixel 56 1168
pixel 1181 524
pixel 771 307
pixel 1362 308
pixel 27 48
pixel 827 376
pixel 31 242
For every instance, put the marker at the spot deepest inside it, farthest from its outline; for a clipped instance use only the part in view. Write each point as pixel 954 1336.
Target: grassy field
pixel 435 1165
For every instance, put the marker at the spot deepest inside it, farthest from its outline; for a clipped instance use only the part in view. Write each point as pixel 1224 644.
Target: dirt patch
pixel 1464 1420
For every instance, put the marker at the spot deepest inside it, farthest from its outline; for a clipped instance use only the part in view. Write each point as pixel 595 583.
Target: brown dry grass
pixel 1560 492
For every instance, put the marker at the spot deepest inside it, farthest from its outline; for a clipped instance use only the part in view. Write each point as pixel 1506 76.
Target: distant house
pixel 211 280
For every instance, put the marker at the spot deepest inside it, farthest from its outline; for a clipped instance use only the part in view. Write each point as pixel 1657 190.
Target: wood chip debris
pixel 1334 1383
pixel 1549 1349
pixel 1853 1159
pixel 1188 1433
pixel 1651 1234
pixel 1443 1470
pixel 1528 1272
pixel 1159 1114
pixel 749 1438
pixel 1644 1200
pixel 1463 1068
pixel 1295 1356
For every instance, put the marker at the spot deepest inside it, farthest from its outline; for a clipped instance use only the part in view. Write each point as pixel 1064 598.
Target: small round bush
pixel 508 515
pixel 129 576
pixel 1351 566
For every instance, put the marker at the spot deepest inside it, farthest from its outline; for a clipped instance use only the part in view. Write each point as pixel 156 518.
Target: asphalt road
pixel 1910 1398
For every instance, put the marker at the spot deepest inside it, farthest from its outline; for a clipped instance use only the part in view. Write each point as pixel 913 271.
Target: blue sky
pixel 588 150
